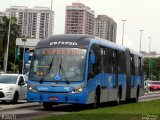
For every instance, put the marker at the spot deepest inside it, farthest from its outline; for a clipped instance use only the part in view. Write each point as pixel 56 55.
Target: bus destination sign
pixel 60 51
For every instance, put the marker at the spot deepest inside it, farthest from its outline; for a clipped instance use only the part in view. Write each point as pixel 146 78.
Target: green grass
pixel 132 111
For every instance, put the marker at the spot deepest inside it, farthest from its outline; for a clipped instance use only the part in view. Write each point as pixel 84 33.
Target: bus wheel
pixel 47 105
pixel 119 95
pixel 97 98
pixel 137 95
pixel 118 98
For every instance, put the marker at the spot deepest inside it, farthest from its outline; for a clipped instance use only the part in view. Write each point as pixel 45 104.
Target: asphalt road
pixel 150 96
pixel 28 111
pixel 35 111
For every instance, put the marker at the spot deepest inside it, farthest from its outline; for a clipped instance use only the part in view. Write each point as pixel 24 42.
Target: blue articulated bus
pixel 82 69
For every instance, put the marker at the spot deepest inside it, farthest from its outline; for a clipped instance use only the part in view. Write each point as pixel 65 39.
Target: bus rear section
pixel 134 73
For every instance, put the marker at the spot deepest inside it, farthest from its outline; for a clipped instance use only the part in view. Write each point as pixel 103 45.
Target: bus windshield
pixel 58 64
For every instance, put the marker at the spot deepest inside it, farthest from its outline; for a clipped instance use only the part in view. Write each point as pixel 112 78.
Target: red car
pixel 155 85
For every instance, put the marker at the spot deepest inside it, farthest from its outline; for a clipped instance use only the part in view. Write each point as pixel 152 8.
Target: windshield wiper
pixel 62 71
pixel 41 80
pixel 50 66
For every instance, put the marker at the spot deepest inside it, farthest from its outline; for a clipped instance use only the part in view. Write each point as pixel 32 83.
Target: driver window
pixel 95 68
pixel 21 81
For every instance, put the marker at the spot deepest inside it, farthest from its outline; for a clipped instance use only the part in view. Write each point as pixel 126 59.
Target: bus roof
pixel 66 40
pixel 80 41
pixel 110 44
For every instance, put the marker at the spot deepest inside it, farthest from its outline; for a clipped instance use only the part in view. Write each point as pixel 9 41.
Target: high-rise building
pixel 37 22
pixel 105 27
pixel 1 16
pixel 79 19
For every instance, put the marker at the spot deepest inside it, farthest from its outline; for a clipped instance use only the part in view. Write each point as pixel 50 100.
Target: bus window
pixel 137 65
pixel 94 69
pixel 90 69
pixel 108 60
pixel 103 64
pixel 132 64
pixel 121 61
pixel 97 66
pixel 66 63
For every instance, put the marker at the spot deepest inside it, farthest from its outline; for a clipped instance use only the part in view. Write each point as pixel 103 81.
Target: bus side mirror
pixel 92 58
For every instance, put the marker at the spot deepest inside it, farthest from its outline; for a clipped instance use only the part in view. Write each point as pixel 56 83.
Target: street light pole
pixel 51 4
pixel 6 56
pixel 140 39
pixel 123 31
pixel 149 57
pixel 23 40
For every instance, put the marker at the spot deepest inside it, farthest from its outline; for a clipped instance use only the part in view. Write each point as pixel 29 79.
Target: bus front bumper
pixel 73 98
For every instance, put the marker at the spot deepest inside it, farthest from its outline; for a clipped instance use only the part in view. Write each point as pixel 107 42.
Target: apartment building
pixel 37 22
pixel 1 16
pixel 79 19
pixel 105 27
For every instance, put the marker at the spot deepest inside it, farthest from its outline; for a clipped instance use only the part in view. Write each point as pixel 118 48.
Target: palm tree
pixel 4 27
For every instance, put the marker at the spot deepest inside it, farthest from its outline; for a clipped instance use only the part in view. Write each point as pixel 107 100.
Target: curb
pixel 15 106
pixel 151 93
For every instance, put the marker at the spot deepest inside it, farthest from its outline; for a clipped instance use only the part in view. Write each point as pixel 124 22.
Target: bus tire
pixel 119 95
pixel 47 105
pixel 96 98
pixel 137 95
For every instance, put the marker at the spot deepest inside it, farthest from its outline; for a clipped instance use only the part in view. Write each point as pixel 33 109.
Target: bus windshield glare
pixel 58 64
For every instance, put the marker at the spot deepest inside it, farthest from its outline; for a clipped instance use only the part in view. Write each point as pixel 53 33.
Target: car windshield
pixel 8 79
pixel 58 64
pixel 156 82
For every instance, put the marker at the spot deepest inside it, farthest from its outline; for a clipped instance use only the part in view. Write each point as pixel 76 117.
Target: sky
pixel 140 15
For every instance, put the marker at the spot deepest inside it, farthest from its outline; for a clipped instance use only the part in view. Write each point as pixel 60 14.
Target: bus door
pixel 134 73
pixel 121 73
pixel 115 69
pixel 128 73
pixel 114 72
pixel 111 73
pixel 103 81
pixel 94 70
pixel 141 75
pixel 104 75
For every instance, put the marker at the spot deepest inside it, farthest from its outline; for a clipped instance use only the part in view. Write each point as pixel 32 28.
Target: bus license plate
pixel 53 98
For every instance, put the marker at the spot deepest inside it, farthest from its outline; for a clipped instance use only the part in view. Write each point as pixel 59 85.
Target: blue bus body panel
pixel 61 93
pixel 135 81
pixel 80 98
pixel 122 80
pixel 107 80
pixel 56 89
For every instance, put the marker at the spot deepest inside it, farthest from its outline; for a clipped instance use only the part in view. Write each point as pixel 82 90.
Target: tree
pixel 152 68
pixel 14 29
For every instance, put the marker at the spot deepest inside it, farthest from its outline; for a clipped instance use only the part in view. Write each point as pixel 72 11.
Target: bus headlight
pixel 31 88
pixel 80 89
pixel 77 90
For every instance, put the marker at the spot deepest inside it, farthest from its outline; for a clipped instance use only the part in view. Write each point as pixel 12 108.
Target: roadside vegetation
pixel 14 33
pixel 132 111
pixel 154 65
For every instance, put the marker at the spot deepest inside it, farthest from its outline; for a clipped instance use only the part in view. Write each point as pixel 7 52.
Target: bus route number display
pixel 60 52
